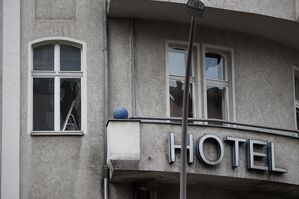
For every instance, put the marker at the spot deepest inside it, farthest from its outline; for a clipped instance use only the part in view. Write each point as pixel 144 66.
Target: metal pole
pixel 106 98
pixel 183 175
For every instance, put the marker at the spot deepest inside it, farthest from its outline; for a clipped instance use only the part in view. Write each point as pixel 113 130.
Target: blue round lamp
pixel 120 113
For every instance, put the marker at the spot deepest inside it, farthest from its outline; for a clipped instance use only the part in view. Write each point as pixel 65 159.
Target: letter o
pixel 200 152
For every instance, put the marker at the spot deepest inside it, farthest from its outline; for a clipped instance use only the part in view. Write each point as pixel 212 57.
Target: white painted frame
pixel 230 77
pixel 195 77
pixel 296 102
pixel 57 75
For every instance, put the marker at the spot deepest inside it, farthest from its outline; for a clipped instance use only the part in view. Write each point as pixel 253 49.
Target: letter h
pixel 172 147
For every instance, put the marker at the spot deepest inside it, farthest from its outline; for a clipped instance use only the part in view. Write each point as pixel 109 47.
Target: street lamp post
pixel 196 9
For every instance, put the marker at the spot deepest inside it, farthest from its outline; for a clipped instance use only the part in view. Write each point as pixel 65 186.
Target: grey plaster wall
pixel 223 180
pixel 120 65
pixel 154 172
pixel 1 65
pixel 154 153
pixel 284 9
pixel 64 166
pixel 277 8
pixel 263 70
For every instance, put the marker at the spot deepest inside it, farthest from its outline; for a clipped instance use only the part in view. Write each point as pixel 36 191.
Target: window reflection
pixel 70 104
pixel 176 89
pixel 215 102
pixel 177 58
pixel 297 117
pixel 43 57
pixel 70 58
pixel 296 86
pixel 43 104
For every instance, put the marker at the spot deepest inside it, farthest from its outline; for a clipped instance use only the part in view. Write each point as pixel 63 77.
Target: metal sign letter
pixel 172 147
pixel 200 152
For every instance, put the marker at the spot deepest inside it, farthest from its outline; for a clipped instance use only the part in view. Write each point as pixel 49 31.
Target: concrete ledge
pixel 123 140
pixel 206 182
pixel 154 154
pixel 61 133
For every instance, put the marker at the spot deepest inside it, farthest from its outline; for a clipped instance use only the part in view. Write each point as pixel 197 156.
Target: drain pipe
pixel 133 66
pixel 106 98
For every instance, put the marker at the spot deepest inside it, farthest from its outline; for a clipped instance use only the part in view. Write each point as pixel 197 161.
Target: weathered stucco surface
pixel 120 76
pixel 154 167
pixel 284 9
pixel 264 96
pixel 64 167
pixel 1 66
pixel 71 167
pixel 263 71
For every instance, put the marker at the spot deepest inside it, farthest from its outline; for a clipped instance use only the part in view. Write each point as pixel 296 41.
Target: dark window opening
pixel 176 89
pixel 70 104
pixel 43 104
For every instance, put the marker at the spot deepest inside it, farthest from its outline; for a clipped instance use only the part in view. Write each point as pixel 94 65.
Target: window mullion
pixel 216 83
pixel 57 87
pixel 57 104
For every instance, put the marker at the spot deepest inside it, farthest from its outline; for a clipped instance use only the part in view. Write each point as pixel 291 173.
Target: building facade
pixel 68 64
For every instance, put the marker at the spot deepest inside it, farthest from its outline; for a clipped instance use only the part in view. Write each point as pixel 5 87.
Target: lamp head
pixel 196 7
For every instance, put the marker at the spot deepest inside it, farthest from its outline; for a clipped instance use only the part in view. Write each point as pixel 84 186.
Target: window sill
pixel 57 133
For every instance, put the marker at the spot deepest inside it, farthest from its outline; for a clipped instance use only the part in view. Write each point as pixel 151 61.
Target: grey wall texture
pixel 153 167
pixel 1 66
pixel 71 167
pixel 263 90
pixel 277 8
pixel 120 75
pixel 64 166
pixel 284 9
pixel 263 70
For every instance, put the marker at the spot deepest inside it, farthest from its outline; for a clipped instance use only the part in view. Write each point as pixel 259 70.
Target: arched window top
pixel 57 40
pixel 43 57
pixel 62 56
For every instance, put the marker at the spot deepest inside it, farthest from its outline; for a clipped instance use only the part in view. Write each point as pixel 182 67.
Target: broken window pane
pixel 43 104
pixel 176 89
pixel 70 104
pixel 215 68
pixel 43 57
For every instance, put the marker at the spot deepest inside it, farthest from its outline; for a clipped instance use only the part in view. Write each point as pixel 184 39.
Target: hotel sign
pixel 252 156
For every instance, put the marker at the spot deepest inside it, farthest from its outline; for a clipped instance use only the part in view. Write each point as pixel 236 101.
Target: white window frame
pixel 296 102
pixel 228 83
pixel 57 75
pixel 193 78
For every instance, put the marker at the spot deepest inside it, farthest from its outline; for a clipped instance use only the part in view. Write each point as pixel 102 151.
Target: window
pixel 211 86
pixel 216 85
pixel 296 81
pixel 57 85
pixel 177 58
